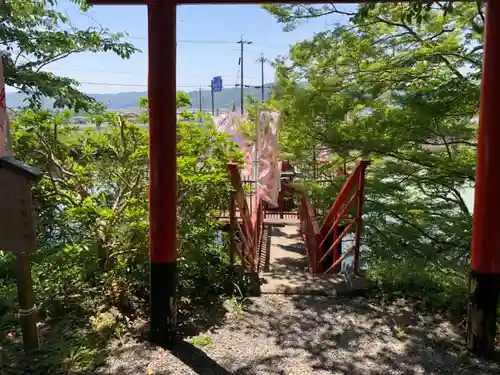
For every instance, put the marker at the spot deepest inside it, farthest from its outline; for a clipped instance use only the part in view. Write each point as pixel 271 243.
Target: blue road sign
pixel 217 83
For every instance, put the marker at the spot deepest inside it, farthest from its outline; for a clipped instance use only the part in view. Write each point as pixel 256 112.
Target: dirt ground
pixel 291 335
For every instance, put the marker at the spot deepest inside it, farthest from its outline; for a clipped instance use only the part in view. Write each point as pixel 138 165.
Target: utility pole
pixel 213 101
pixel 242 42
pixel 261 60
pixel 201 108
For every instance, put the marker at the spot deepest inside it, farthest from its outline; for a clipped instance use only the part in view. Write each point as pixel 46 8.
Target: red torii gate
pixel 484 284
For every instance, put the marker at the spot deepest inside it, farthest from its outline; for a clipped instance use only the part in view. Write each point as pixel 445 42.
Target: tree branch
pixel 57 58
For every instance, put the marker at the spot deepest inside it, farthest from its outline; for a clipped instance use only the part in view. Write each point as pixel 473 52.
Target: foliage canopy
pixel 398 84
pixel 92 219
pixel 34 34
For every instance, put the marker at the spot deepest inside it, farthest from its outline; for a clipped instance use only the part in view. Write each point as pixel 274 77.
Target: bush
pixel 92 215
pixel 437 289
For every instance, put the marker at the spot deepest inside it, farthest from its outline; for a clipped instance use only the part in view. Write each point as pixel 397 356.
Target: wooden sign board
pixel 17 229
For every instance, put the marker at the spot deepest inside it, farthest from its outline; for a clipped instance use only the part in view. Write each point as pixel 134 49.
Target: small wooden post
pixel 17 234
pixel 27 307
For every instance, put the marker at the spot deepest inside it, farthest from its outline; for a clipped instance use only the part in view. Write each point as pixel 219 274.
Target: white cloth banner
pixel 4 120
pixel 230 124
pixel 268 183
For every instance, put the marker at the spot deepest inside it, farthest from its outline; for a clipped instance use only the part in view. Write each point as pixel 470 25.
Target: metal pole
pixel 262 76
pixel 484 278
pixel 162 170
pixel 241 78
pixel 213 100
pixel 201 108
pixel 359 217
pixel 242 94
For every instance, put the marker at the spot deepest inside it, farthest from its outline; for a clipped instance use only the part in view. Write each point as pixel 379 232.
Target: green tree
pixel 92 220
pixel 34 34
pixel 398 84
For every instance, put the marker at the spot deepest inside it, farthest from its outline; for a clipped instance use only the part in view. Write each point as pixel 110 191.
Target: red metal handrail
pixel 310 232
pixel 316 238
pixel 351 192
pixel 251 231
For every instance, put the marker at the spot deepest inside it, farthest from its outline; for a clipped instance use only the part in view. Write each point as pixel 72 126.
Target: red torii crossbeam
pixel 484 285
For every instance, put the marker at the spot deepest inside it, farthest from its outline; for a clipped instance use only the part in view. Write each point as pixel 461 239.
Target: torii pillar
pixel 484 285
pixel 162 163
pixel 484 281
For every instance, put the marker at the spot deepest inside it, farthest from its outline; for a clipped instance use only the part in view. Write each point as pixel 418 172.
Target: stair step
pixel 307 284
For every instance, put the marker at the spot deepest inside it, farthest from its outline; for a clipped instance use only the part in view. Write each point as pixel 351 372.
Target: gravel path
pixel 299 335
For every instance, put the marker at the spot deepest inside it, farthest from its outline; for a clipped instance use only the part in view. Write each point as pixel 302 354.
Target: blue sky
pixel 197 63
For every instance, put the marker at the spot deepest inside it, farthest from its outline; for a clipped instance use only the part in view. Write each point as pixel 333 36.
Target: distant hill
pixel 124 100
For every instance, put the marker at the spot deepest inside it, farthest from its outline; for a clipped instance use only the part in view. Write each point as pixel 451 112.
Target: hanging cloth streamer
pixel 231 125
pixel 268 183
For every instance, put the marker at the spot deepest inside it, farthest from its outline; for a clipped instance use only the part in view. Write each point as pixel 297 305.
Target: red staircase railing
pixel 250 230
pixel 311 233
pixel 324 243
pixel 287 207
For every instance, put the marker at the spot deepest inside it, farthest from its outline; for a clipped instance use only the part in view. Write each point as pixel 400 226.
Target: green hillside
pixel 223 99
pixel 123 100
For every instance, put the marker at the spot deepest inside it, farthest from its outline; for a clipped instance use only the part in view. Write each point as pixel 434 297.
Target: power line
pixel 145 85
pixel 206 41
pixel 213 42
pixel 187 40
pixel 113 84
pixel 120 72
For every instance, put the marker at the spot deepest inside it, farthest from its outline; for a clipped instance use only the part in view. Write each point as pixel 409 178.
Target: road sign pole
pixel 216 86
pixel 213 102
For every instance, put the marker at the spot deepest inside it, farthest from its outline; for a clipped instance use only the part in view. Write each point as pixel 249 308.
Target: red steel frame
pixel 310 232
pixel 251 221
pixel 316 238
pixel 352 191
pixel 485 264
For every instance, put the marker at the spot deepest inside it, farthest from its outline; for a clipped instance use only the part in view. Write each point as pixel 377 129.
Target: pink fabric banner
pixel 268 183
pixel 4 120
pixel 230 124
